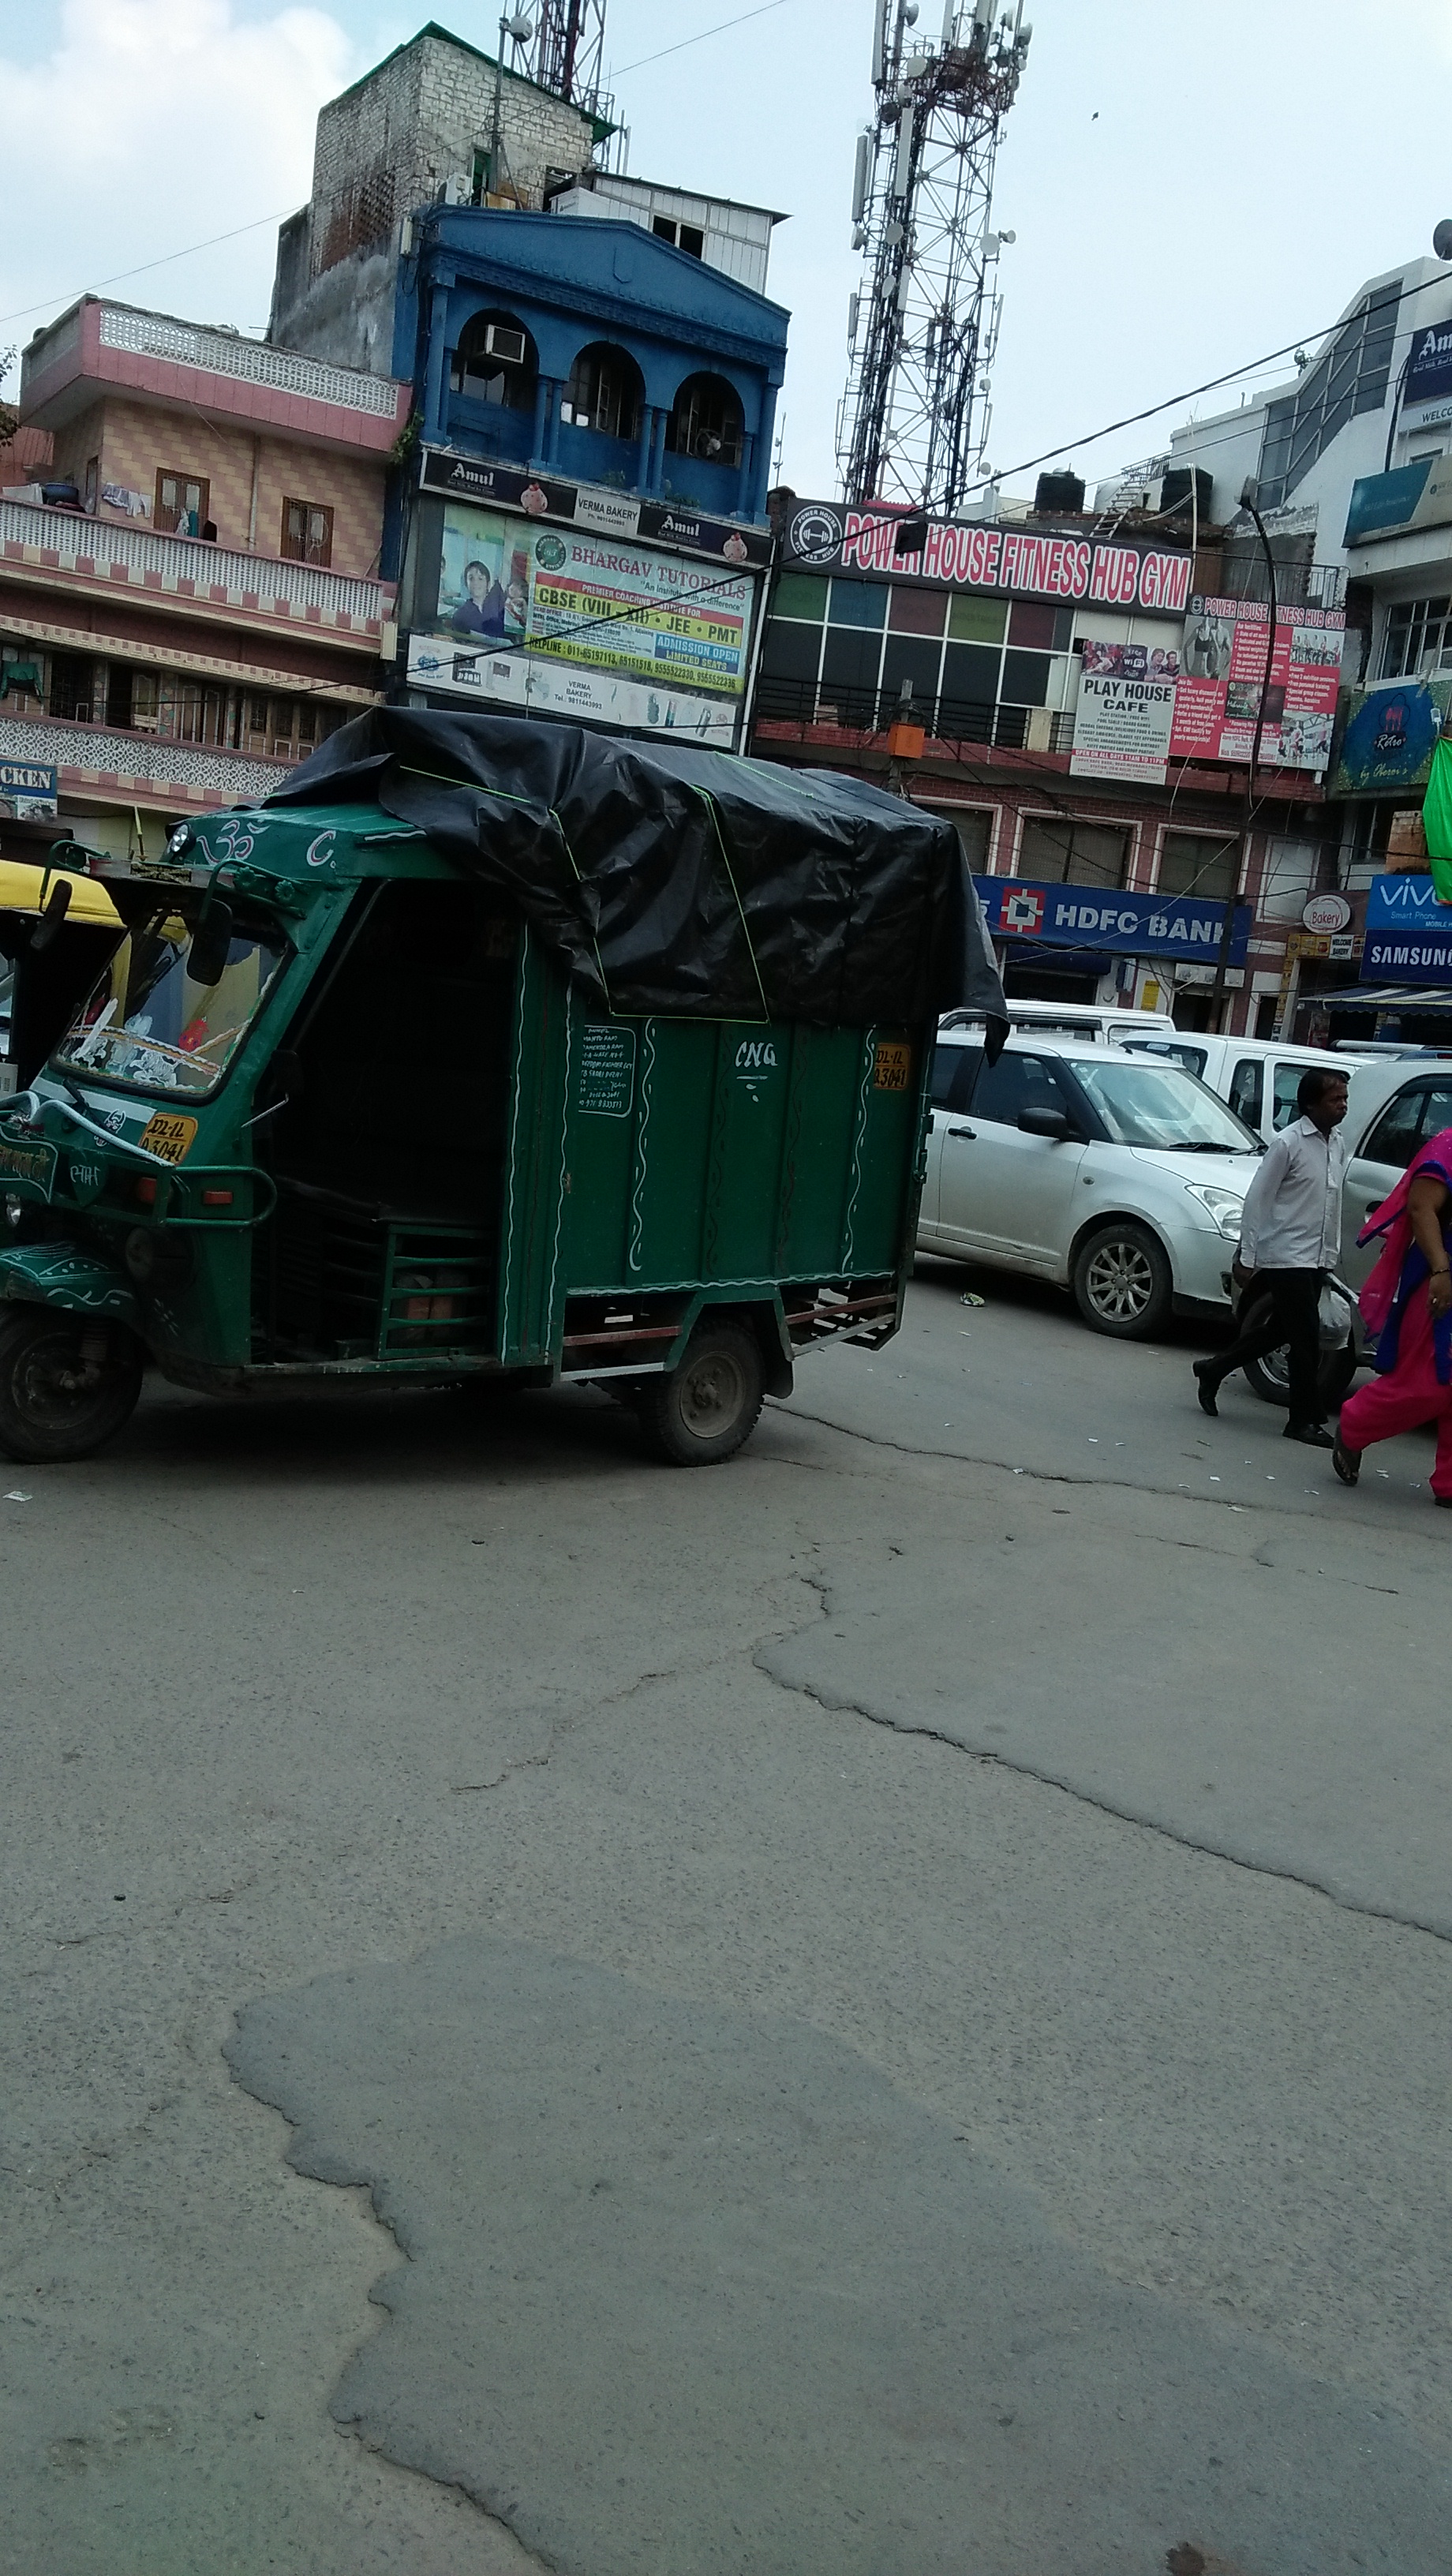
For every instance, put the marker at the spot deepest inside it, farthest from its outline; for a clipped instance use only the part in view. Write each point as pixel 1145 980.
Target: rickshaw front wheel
pixel 67 1382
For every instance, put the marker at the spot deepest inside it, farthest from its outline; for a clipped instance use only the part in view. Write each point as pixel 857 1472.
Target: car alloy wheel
pixel 1122 1282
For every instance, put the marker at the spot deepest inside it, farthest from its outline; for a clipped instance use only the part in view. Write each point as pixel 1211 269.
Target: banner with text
pixel 1125 712
pixel 1408 932
pixel 1127 925
pixel 588 626
pixel 1223 667
pixel 1017 562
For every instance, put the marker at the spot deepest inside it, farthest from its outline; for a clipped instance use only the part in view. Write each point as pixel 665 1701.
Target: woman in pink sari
pixel 1407 1303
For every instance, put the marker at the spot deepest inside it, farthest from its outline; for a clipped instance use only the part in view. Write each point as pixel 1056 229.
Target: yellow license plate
pixel 168 1135
pixel 893 1068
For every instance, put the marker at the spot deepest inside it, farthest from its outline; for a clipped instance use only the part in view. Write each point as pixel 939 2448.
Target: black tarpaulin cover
pixel 669 878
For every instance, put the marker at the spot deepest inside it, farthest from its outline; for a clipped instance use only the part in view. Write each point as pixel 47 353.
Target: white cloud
pixel 153 125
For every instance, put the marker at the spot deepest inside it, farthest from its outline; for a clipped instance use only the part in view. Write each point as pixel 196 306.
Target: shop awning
pixel 1386 997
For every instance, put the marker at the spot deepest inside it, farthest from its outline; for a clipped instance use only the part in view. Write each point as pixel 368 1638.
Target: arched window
pixel 707 421
pixel 605 391
pixel 496 361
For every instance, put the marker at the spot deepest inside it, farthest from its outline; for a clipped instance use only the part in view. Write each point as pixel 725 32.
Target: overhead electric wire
pixel 120 275
pixel 721 29
pixel 1212 384
pixel 613 617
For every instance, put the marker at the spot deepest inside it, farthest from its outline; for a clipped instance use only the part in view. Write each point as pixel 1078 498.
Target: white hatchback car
pixel 1117 1177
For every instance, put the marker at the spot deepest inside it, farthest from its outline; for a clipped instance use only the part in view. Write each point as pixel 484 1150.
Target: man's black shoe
pixel 1314 1434
pixel 1206 1384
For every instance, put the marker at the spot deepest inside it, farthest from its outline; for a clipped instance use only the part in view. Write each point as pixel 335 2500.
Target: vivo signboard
pixel 1408 933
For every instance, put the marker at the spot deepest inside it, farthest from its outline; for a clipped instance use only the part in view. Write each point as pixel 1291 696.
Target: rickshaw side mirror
pixel 58 904
pixel 211 945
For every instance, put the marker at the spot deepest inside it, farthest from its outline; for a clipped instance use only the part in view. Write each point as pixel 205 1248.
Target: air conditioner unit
pixel 505 344
pixel 457 188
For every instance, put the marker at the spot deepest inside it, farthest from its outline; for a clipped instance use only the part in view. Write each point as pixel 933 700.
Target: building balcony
pixel 100 764
pixel 98 348
pixel 62 550
pixel 642 465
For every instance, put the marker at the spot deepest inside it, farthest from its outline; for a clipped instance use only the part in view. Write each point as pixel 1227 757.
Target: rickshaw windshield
pixel 148 1024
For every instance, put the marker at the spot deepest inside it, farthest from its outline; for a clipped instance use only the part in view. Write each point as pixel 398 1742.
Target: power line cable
pixel 1212 384
pixel 566 635
pixel 720 29
pixel 120 275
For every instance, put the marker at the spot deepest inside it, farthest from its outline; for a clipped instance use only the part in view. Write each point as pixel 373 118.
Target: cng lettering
pixel 756 1055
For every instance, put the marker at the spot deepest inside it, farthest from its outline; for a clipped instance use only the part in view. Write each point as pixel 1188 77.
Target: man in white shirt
pixel 1290 1236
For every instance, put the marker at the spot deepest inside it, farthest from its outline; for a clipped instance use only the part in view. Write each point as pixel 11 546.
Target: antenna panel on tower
pixel 914 417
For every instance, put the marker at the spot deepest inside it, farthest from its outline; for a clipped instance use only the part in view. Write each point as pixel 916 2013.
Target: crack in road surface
pixel 903 1721
pixel 687 2286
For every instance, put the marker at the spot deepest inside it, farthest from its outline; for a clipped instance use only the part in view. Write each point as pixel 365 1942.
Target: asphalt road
pixel 879 2008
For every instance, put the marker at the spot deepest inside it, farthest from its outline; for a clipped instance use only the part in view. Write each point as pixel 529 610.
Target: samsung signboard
pixel 1408 933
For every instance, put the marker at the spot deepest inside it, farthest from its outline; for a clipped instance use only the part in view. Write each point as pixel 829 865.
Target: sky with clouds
pixel 1190 185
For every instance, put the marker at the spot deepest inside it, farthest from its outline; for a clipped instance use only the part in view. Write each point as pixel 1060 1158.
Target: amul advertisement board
pixel 1223 667
pixel 1019 563
pixel 582 624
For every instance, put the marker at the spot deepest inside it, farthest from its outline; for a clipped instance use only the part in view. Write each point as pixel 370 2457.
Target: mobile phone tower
pixel 922 327
pixel 569 42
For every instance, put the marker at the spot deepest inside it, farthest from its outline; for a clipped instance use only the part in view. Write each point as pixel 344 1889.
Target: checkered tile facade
pixel 135 440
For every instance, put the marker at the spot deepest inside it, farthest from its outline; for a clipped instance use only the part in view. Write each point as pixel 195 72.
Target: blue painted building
pixel 592 350
pixel 577 515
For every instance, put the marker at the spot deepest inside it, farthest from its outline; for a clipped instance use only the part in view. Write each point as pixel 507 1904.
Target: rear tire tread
pixel 722 1380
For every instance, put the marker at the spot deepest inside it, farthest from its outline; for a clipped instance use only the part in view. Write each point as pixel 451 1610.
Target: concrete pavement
pixel 311 1694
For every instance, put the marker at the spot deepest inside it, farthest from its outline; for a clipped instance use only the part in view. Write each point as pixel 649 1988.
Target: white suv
pixel 1116 1176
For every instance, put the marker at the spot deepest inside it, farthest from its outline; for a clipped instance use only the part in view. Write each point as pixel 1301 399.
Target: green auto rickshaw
pixel 374 1084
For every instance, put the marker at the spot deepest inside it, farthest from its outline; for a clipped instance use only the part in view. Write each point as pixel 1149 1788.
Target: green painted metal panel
pixel 706 1154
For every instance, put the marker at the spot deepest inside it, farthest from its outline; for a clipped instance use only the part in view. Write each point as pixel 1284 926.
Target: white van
pixel 1259 1077
pixel 1093 1021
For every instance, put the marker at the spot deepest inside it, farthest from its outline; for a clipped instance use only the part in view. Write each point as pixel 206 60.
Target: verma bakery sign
pixel 1038 563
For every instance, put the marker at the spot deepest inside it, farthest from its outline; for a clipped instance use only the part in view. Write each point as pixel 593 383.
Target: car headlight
pixel 1222 1206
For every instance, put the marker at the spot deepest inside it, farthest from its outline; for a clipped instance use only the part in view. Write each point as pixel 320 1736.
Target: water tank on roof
pixel 1179 483
pixel 1059 494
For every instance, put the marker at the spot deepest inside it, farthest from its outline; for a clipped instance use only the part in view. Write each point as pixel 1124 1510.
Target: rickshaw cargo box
pixel 664 877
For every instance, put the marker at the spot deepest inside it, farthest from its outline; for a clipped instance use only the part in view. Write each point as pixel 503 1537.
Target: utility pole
pixel 1249 497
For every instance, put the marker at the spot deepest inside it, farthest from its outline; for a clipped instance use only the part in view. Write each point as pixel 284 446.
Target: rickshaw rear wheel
pixel 67 1383
pixel 704 1410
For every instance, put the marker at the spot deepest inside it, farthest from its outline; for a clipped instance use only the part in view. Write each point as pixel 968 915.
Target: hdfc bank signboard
pixel 1019 563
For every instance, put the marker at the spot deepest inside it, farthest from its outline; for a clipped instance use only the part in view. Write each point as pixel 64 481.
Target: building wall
pixel 386 147
pixel 737 238
pixel 135 440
